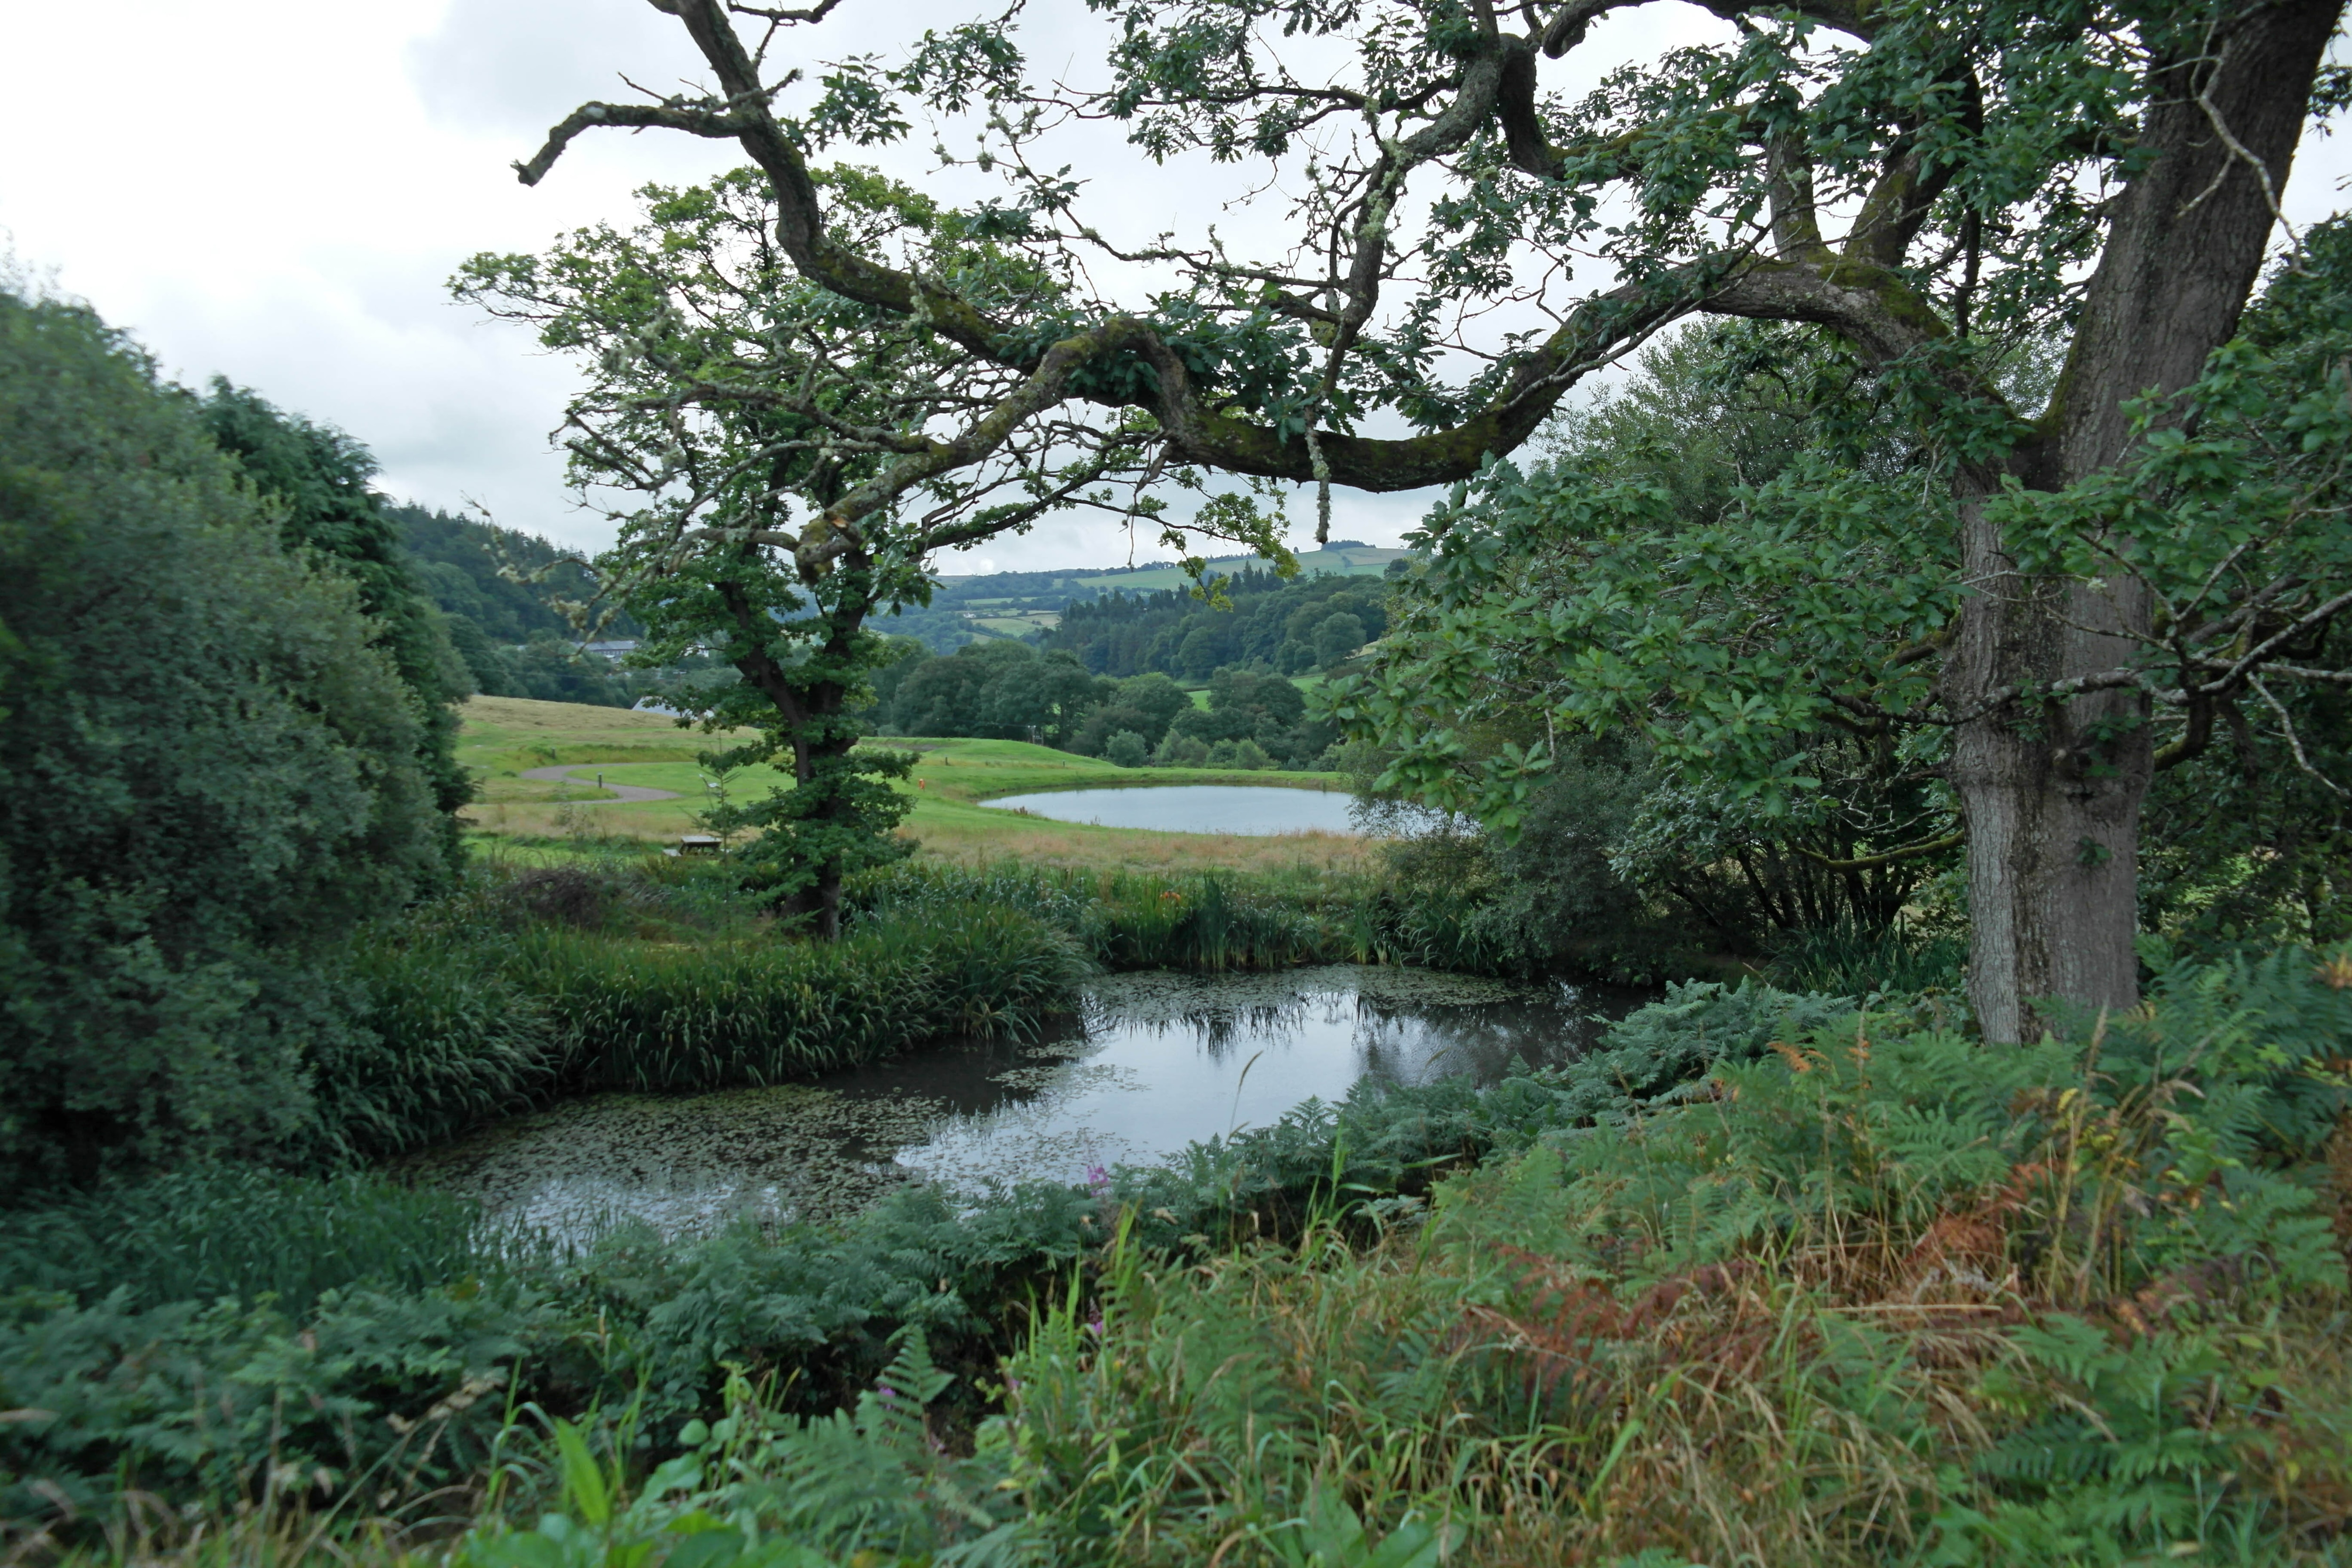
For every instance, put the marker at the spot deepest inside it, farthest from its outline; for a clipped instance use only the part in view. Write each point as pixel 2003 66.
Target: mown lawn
pixel 504 737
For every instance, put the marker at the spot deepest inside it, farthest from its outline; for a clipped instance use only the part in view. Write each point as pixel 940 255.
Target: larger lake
pixel 1155 1061
pixel 1255 810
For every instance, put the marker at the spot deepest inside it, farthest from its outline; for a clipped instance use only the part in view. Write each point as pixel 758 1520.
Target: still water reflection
pixel 1156 1061
pixel 1254 810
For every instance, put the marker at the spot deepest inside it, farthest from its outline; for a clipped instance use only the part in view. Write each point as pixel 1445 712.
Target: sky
pixel 277 189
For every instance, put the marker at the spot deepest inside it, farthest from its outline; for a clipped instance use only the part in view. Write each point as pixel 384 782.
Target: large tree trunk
pixel 2051 793
pixel 2051 790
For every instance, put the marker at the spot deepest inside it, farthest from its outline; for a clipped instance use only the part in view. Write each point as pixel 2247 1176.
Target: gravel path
pixel 619 792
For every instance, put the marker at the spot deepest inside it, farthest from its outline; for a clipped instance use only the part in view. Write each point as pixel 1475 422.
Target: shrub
pixel 1182 752
pixel 212 772
pixel 1128 750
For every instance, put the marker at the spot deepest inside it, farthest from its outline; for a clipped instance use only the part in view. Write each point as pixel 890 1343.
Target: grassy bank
pixel 1763 1281
pixel 536 981
pixel 504 738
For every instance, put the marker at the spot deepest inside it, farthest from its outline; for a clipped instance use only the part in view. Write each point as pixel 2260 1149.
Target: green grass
pixel 951 777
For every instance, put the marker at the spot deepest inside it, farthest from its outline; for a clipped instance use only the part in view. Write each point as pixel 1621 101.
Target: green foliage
pixel 212 772
pixel 641 1018
pixel 463 564
pixel 1257 620
pixel 251 1235
pixel 317 478
pixel 1122 920
pixel 763 1486
pixel 1513 687
pixel 768 531
pixel 1896 960
pixel 1658 1294
pixel 446 1036
pixel 1869 1292
pixel 1719 629
pixel 997 690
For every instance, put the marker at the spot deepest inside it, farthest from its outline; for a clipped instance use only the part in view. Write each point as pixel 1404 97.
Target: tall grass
pixel 245 1235
pixel 1210 922
pixel 447 1036
pixel 636 1016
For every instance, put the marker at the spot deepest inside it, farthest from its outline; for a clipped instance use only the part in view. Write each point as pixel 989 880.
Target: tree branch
pixel 1889 857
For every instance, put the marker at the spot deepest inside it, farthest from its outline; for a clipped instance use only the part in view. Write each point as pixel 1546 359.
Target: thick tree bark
pixel 2052 790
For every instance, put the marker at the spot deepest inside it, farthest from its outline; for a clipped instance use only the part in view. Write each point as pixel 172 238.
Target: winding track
pixel 565 772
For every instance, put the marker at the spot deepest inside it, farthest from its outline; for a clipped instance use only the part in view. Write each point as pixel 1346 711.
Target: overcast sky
pixel 277 192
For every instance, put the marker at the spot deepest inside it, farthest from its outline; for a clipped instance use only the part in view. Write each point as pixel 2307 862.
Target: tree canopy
pixel 1940 188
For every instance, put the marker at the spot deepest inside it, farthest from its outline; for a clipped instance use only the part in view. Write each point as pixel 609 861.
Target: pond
pixel 1156 1060
pixel 1254 810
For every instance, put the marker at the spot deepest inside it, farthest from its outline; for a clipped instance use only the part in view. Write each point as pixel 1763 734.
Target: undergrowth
pixel 1765 1280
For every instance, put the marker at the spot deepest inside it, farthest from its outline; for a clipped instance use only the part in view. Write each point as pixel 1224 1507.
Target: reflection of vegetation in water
pixel 687 1164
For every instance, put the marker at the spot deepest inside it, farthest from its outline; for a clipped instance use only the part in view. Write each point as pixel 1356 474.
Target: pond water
pixel 1155 1061
pixel 1255 810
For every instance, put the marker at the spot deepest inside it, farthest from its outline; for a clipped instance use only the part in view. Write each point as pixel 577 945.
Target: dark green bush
pixel 209 772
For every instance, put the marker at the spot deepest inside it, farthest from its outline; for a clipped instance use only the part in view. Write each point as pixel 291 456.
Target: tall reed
pixel 637 1016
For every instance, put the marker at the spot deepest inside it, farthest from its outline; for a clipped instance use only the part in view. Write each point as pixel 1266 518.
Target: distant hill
pixel 1026 604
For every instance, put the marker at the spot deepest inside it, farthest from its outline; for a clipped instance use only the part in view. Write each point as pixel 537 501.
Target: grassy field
pixel 505 737
pixel 1348 560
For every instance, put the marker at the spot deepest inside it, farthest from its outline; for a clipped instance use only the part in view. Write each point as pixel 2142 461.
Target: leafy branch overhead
pixel 1438 183
pixel 1438 243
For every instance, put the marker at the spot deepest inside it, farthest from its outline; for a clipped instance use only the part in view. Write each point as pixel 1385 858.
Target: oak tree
pixel 1922 181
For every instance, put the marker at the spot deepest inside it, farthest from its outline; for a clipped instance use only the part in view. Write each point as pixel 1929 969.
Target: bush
pixel 1182 752
pixel 1128 750
pixel 211 773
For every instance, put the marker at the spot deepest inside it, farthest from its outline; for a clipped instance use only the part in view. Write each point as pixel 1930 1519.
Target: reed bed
pixel 638 1016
